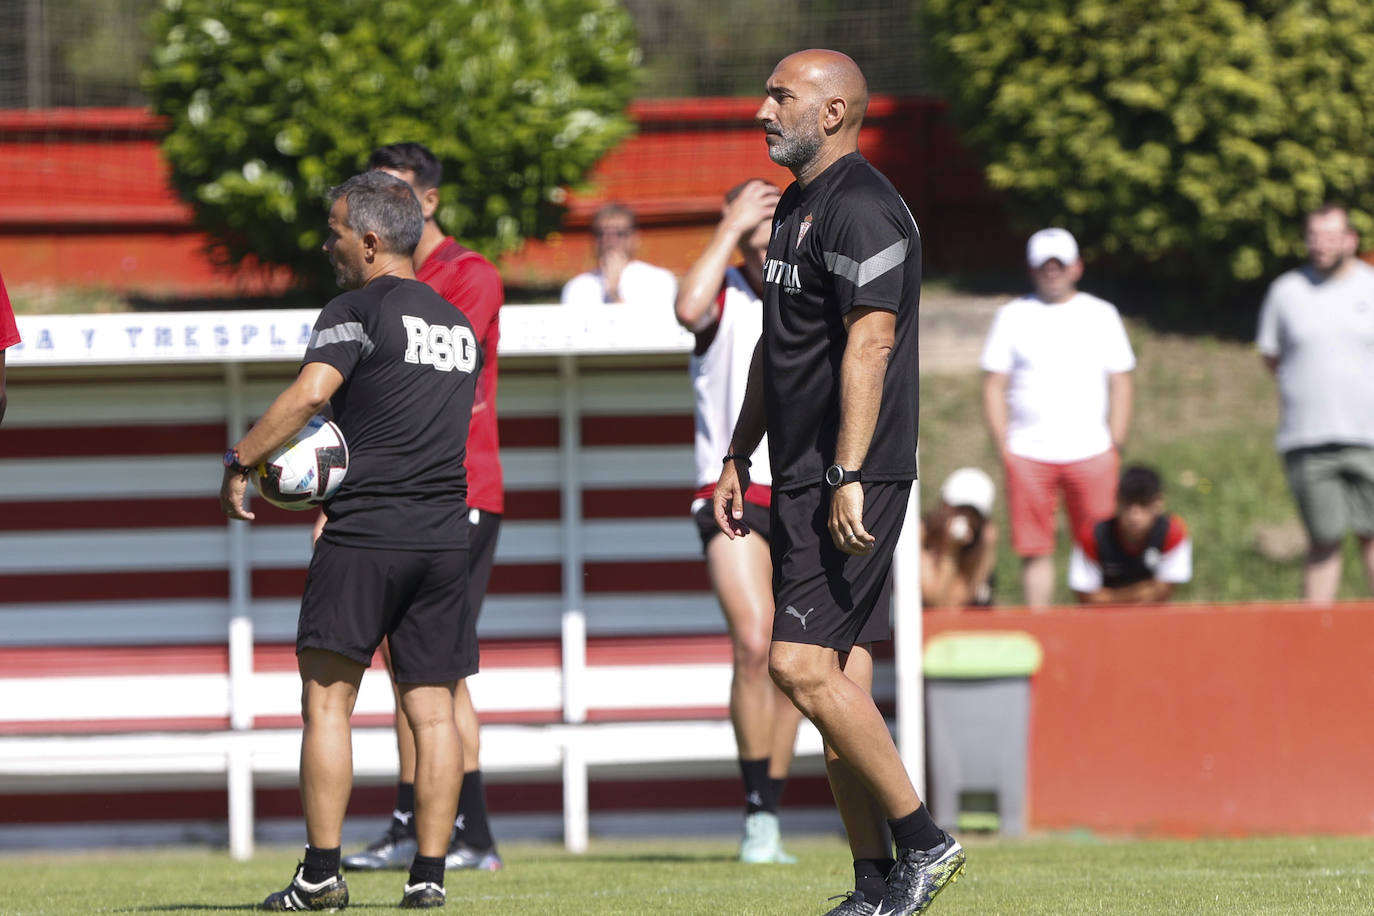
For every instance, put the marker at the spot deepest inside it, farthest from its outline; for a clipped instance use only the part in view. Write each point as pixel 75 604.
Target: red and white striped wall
pixel 120 580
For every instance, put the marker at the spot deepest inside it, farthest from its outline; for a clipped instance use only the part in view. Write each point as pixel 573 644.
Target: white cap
pixel 1055 244
pixel 969 487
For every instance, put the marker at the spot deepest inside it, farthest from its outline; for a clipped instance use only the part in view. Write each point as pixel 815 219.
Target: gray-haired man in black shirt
pixel 399 365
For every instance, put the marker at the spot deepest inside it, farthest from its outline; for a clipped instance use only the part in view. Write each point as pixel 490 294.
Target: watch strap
pixel 231 461
pixel 845 476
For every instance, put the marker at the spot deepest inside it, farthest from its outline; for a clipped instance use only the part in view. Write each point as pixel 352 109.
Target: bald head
pixel 815 106
pixel 830 74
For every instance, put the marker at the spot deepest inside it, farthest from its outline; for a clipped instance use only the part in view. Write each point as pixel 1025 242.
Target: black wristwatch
pixel 231 461
pixel 837 476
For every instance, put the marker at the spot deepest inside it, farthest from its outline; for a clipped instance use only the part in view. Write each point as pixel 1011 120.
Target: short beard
pixel 1336 265
pixel 796 152
pixel 347 276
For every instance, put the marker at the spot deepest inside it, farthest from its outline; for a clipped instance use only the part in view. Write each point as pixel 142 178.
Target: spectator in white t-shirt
pixel 1057 398
pixel 618 276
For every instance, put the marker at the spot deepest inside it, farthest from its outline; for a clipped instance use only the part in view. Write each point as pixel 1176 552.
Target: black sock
pixel 775 787
pixel 427 869
pixel 471 827
pixel 757 794
pixel 403 816
pixel 870 878
pixel 916 831
pixel 320 864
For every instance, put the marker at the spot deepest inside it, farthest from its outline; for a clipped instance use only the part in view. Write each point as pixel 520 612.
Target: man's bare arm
pixel 727 502
pixel 862 370
pixel 752 422
pixel 302 399
pixel 1120 400
pixel 696 305
pixel 995 410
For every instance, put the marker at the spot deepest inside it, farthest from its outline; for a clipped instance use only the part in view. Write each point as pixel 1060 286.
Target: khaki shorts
pixel 1334 488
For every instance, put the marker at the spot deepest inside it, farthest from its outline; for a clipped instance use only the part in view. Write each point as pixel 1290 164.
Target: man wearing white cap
pixel 1057 397
pixel 959 542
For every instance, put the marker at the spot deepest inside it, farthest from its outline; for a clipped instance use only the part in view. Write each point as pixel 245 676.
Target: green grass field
pixel 1048 876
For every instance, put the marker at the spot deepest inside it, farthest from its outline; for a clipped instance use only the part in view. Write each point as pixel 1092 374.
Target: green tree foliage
pixel 1184 136
pixel 270 104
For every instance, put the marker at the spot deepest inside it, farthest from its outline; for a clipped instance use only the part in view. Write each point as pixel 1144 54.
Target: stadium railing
pixel 148 639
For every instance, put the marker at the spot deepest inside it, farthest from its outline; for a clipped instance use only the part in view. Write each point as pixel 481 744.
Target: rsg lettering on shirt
pixel 443 347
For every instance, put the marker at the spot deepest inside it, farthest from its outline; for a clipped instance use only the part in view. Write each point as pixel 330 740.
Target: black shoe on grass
pixel 460 855
pixel 330 894
pixel 392 852
pixel 919 875
pixel 854 905
pixel 422 896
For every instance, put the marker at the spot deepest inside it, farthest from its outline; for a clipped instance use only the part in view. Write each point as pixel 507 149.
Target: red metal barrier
pixel 1197 720
pixel 84 197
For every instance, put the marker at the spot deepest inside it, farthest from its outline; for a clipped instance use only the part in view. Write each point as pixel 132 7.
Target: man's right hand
pixel 752 206
pixel 612 265
pixel 728 499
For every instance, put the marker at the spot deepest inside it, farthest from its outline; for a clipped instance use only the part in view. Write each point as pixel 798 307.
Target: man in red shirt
pixel 472 284
pixel 9 336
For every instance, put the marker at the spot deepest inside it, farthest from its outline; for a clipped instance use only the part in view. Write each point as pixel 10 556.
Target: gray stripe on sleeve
pixel 863 273
pixel 349 331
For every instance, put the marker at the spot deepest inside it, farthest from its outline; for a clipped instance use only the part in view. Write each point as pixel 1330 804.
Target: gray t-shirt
pixel 1322 333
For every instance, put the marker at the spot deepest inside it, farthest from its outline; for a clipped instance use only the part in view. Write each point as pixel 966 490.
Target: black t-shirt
pixel 847 240
pixel 410 363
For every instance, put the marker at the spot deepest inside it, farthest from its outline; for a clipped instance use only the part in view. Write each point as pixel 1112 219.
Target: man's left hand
pixel 847 520
pixel 231 493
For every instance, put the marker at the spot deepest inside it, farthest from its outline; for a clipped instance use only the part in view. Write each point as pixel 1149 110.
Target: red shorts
pixel 1033 496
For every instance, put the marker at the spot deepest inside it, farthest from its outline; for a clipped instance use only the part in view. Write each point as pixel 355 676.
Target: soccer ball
pixel 307 470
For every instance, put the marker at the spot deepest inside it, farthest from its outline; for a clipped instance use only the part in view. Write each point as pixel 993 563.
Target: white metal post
pixel 576 814
pixel 574 622
pixel 240 637
pixel 240 802
pixel 907 641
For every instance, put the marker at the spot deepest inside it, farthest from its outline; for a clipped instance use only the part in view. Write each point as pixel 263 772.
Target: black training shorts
pixel 824 597
pixel 354 596
pixel 756 518
pixel 483 532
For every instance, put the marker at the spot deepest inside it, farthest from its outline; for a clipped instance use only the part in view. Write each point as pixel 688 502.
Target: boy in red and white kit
pixel 1138 555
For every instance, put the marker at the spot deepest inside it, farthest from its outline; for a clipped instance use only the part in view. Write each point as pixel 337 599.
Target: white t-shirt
pixel 1058 358
pixel 640 283
pixel 720 372
pixel 1322 334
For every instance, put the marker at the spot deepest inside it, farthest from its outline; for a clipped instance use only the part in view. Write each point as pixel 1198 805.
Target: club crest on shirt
pixel 803 229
